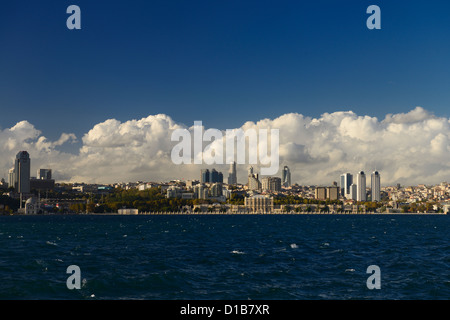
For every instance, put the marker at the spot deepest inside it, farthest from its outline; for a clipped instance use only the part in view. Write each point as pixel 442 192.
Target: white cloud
pixel 408 148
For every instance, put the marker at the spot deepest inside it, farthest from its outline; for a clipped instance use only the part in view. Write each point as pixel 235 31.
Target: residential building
pixel 333 193
pixel 321 193
pixel 375 186
pixel 271 184
pixel 361 186
pixel 253 180
pixel 352 194
pixel 11 178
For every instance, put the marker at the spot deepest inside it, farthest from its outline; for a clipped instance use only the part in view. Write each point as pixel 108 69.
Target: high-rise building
pixel 216 190
pixel 321 193
pixel 214 176
pixel 333 193
pixel 286 177
pixel 254 183
pixel 375 186
pixel 271 184
pixel 253 180
pixel 361 186
pixel 346 181
pixel 44 174
pixel 11 178
pixel 232 176
pixel 204 176
pixel 352 193
pixel 22 172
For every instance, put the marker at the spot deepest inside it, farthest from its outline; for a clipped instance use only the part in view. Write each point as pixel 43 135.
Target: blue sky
pixel 222 62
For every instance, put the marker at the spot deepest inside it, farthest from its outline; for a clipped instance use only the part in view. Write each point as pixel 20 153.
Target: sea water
pixel 287 257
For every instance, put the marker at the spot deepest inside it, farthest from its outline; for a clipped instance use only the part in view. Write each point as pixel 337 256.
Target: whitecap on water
pixel 51 243
pixel 294 246
pixel 349 270
pixel 237 252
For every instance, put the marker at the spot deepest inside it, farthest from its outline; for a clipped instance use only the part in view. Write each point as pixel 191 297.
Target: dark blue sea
pixel 283 257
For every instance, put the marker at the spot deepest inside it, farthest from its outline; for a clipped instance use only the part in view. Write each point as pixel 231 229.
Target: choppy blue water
pixel 225 257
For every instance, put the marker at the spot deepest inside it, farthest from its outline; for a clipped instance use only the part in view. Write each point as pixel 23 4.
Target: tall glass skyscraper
pixel 232 176
pixel 22 172
pixel 204 176
pixel 345 183
pixel 376 186
pixel 286 177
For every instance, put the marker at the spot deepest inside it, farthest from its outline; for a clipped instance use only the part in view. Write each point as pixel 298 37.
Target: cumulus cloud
pixel 407 148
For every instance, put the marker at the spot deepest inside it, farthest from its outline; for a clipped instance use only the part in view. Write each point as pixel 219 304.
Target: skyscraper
pixel 22 172
pixel 204 176
pixel 345 183
pixel 361 186
pixel 232 176
pixel 375 186
pixel 286 177
pixel 214 176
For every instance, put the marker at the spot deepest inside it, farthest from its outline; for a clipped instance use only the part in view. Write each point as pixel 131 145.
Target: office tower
pixel 375 186
pixel 213 176
pixel 11 178
pixel 22 172
pixel 345 183
pixel 44 174
pixel 286 177
pixel 232 176
pixel 220 177
pixel 361 186
pixel 204 176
